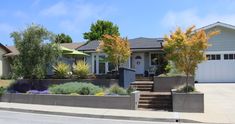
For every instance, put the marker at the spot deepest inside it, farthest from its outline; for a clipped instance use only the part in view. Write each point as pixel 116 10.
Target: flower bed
pixel 78 94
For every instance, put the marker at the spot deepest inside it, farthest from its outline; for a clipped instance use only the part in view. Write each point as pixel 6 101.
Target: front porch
pixel 145 63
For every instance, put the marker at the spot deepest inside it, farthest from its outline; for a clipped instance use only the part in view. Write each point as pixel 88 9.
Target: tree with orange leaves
pixel 186 49
pixel 117 49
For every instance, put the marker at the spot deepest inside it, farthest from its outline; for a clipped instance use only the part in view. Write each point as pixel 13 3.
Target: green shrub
pixel 61 70
pixel 2 90
pixel 184 89
pixel 115 89
pixel 131 89
pixel 81 69
pixel 75 87
pixel 171 70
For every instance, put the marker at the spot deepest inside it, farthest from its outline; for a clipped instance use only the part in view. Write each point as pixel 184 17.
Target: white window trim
pixel 97 63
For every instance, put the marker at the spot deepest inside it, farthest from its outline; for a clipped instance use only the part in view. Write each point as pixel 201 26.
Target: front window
pixel 95 64
pixel 101 64
pixel 154 59
pixel 111 67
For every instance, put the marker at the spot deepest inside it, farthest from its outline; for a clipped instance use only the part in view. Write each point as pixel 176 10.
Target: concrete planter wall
pixel 113 102
pixel 165 84
pixel 188 102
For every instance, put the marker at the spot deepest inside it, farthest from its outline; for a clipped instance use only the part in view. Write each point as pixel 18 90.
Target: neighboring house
pixel 11 51
pixel 144 57
pixel 4 64
pixel 220 66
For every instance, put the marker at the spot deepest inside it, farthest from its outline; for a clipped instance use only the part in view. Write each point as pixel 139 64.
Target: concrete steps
pixel 142 78
pixel 143 86
pixel 155 101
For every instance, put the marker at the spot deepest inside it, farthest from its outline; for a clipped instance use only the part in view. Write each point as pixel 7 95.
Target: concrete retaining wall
pixel 113 102
pixel 188 102
pixel 166 84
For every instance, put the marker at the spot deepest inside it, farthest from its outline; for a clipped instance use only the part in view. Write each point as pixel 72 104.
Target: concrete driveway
pixel 219 103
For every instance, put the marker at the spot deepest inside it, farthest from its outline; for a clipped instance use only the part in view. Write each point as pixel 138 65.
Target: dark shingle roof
pixel 145 43
pixel 136 43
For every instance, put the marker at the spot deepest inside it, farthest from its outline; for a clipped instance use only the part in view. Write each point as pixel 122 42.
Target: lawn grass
pixel 5 83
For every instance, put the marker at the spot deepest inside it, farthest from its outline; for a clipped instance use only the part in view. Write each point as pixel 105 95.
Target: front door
pixel 138 62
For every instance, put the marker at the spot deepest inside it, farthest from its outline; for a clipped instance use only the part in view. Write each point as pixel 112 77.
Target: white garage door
pixel 218 68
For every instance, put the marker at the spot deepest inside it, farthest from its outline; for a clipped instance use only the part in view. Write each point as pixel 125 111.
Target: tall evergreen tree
pixel 100 28
pixel 63 38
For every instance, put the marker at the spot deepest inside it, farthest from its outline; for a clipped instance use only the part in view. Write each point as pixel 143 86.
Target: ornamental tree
pixel 100 28
pixel 117 49
pixel 186 49
pixel 36 54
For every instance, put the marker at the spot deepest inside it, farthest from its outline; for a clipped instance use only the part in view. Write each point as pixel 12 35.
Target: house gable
pixel 2 47
pixel 225 40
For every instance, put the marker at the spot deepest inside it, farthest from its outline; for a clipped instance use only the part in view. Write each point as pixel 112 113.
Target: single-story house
pixel 11 51
pixel 147 53
pixel 144 57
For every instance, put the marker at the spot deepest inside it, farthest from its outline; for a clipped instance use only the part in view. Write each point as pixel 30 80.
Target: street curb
pixel 100 116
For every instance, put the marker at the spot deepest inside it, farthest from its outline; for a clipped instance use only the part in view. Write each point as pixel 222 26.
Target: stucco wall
pixel 4 65
pixel 225 41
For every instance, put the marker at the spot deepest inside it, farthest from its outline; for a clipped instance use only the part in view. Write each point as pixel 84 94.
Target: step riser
pixel 155 102
pixel 143 86
pixel 151 97
pixel 137 84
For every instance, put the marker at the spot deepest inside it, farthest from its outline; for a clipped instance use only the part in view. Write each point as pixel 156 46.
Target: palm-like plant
pixel 61 70
pixel 81 69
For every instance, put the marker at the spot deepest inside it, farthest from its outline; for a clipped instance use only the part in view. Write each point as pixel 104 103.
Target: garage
pixel 219 67
pixel 220 63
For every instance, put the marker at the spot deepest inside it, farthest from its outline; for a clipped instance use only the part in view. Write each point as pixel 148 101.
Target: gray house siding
pixel 225 41
pixel 4 64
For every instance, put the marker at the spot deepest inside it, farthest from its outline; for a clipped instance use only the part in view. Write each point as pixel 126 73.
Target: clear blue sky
pixel 135 18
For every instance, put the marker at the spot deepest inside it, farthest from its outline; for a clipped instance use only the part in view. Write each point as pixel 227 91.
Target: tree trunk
pixel 187 89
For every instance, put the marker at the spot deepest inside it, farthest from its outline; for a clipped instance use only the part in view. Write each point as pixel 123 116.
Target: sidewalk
pixel 160 116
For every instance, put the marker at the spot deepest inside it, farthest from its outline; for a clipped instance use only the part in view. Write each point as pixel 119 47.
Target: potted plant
pixel 186 51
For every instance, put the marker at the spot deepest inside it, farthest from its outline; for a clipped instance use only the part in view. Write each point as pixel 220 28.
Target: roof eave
pixel 217 24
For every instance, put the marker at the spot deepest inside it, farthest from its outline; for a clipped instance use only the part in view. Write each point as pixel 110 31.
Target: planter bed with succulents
pixel 77 94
